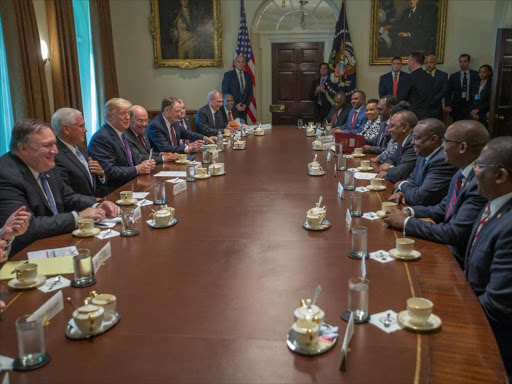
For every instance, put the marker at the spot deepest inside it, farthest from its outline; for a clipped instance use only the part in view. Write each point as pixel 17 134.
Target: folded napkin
pixel 144 202
pixel 54 285
pixel 5 363
pixel 362 189
pixel 107 234
pixel 377 319
pixel 370 216
pixel 381 256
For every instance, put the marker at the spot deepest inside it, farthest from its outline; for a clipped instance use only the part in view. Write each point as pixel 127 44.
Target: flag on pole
pixel 342 61
pixel 243 47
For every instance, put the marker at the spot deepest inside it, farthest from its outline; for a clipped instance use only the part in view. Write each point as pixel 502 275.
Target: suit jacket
pixel 441 89
pixel 188 124
pixel 380 143
pixel 73 172
pixel 320 111
pixel 386 85
pixel 428 183
pixel 160 139
pixel 404 161
pixel 107 149
pixel 488 268
pixel 206 124
pixel 420 93
pixel 20 188
pixel 359 124
pixel 234 114
pixel 231 84
pixel 460 108
pixel 341 119
pixel 483 104
pixel 455 229
pixel 139 153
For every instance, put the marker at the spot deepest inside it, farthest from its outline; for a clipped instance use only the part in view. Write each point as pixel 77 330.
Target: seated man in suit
pixel 228 112
pixel 138 138
pixel 357 118
pixel 400 166
pixel 421 86
pixel 394 83
pixel 338 114
pixel 455 215
pixel 76 168
pixel 28 178
pixel 166 135
pixel 183 120
pixel 488 261
pixel 110 147
pixel 429 182
pixel 380 142
pixel 209 120
pixel 16 225
pixel 238 83
pixel 440 89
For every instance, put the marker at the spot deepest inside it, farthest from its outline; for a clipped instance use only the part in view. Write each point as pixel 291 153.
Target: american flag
pixel 243 47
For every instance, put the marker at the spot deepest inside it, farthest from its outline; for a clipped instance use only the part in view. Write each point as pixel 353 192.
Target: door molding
pixel 266 40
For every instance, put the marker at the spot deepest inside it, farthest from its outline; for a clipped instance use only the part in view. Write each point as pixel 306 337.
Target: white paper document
pixel 49 253
pixel 365 175
pixel 171 174
pixel 140 195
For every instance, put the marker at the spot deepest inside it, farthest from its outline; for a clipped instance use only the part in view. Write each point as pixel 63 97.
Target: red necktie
pixel 334 118
pixel 173 136
pixel 230 118
pixel 455 195
pixel 182 124
pixel 395 86
pixel 485 217
pixel 143 143
pixel 353 120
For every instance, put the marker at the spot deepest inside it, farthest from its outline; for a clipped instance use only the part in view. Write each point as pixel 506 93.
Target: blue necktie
pixel 47 192
pixel 421 167
pixel 84 162
pixel 127 147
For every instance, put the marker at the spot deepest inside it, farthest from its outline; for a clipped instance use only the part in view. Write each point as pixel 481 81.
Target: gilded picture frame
pixel 399 27
pixel 186 33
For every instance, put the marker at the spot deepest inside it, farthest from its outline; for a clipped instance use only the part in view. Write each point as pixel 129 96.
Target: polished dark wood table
pixel 212 298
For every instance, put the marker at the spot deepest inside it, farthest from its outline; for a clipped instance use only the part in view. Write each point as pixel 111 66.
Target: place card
pixel 54 284
pixel 371 216
pixel 171 174
pixel 49 309
pixel 362 189
pixel 349 332
pixel 364 175
pixel 179 187
pixel 381 256
pixel 378 319
pixel 340 191
pixel 349 219
pixel 326 146
pixel 140 195
pixel 137 213
pixel 215 156
pixel 103 255
pixel 50 253
pixel 363 267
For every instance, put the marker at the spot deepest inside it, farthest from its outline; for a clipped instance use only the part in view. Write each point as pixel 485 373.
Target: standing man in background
pixel 421 86
pixel 459 88
pixel 317 94
pixel 238 83
pixel 441 86
pixel 395 82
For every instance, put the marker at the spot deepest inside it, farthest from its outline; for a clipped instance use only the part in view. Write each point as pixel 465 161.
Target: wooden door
pixel 294 67
pixel 500 114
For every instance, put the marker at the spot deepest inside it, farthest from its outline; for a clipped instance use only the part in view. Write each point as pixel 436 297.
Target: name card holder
pixel 349 332
pixel 48 310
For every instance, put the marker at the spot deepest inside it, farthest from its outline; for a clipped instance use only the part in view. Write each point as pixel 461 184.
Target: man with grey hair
pixel 76 169
pixel 28 178
pixel 209 120
pixel 110 147
pixel 238 83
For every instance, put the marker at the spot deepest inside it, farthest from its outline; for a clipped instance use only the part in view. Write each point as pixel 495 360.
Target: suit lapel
pixel 29 178
pixel 164 127
pixel 71 156
pixel 117 140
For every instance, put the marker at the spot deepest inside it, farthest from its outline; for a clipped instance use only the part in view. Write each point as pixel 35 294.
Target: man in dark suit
pixel 395 82
pixel 209 120
pixel 28 178
pixel 139 141
pixel 228 112
pixel 238 83
pixel 76 168
pixel 183 120
pixel 421 86
pixel 400 166
pixel 429 182
pixel 166 135
pixel 357 118
pixel 321 105
pixel 457 100
pixel 440 89
pixel 380 143
pixel 455 215
pixel 110 147
pixel 338 114
pixel 488 261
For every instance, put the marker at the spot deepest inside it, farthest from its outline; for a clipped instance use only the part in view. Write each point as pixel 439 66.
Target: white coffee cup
pixel 419 310
pixel 365 164
pixel 404 246
pixel 388 206
pixel 376 182
pixel 358 151
pixel 305 332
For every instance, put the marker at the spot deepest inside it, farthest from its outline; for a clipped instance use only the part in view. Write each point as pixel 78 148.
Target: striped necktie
pixel 127 148
pixel 485 216
pixel 456 191
pixel 48 193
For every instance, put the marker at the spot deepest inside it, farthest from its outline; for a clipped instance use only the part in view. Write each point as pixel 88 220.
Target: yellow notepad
pixel 53 266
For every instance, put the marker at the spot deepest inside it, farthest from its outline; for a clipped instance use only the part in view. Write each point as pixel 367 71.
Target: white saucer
pixel 202 177
pixel 379 188
pixel 79 233
pixel 413 256
pixel 353 154
pixel 365 169
pixel 317 174
pixel 314 134
pixel 182 162
pixel 433 322
pixel 259 134
pixel 15 284
pixel 239 149
pixel 127 202
pixel 152 223
pixel 218 174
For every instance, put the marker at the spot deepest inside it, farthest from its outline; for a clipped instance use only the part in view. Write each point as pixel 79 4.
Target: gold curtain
pixel 26 68
pixel 64 57
pixel 103 46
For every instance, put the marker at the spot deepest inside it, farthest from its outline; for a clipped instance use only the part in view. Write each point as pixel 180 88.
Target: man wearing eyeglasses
pixel 488 261
pixel 454 216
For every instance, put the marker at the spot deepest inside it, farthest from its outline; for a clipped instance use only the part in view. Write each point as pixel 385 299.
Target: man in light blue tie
pixel 76 169
pixel 318 96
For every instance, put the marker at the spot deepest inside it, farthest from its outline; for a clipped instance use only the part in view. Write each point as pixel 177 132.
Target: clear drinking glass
pixel 30 335
pixel 300 123
pixel 356 204
pixel 159 192
pixel 191 173
pixel 128 222
pixel 206 156
pixel 342 163
pixel 358 297
pixel 349 181
pixel 359 241
pixel 83 268
pixel 338 149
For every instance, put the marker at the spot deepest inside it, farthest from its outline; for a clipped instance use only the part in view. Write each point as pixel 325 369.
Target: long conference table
pixel 211 299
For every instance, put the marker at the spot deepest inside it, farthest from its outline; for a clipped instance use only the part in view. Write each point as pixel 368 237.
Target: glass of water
pixel 30 335
pixel 191 172
pixel 358 297
pixel 349 181
pixel 83 268
pixel 359 242
pixel 159 192
pixel 356 204
pixel 128 222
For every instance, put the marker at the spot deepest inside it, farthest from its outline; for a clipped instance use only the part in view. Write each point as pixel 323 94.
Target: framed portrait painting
pixel 186 33
pixel 402 26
